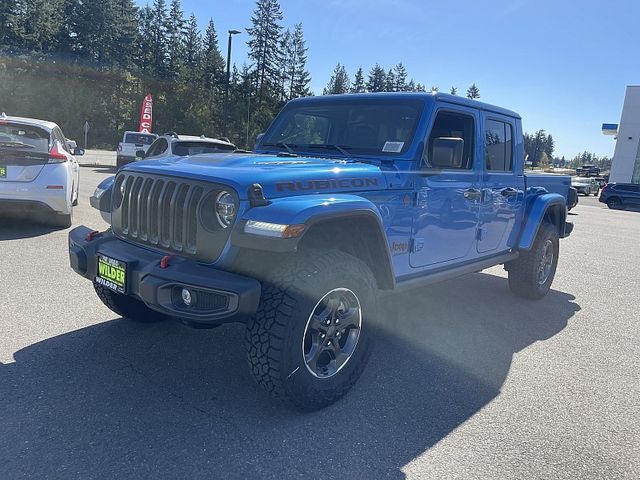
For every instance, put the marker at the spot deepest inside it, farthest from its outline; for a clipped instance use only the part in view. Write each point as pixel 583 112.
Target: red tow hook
pixel 164 263
pixel 92 235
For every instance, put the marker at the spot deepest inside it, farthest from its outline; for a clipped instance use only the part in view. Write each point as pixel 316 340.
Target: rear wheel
pixel 309 341
pixel 531 275
pixel 614 203
pixel 127 307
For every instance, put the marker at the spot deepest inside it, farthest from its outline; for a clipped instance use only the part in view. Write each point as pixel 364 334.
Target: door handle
pixel 509 192
pixel 472 194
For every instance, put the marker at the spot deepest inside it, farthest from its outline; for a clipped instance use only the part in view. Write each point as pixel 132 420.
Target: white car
pixel 39 174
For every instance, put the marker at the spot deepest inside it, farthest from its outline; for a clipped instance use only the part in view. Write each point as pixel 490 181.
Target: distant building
pixel 626 158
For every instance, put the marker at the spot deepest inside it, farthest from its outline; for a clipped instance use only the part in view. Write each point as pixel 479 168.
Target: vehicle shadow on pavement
pixel 126 400
pixel 16 227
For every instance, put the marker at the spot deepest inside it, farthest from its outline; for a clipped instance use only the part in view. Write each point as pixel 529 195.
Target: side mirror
pixel 78 152
pixel 101 198
pixel 140 154
pixel 446 152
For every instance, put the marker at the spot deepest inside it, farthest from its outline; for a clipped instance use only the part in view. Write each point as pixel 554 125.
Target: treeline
pixel 73 61
pixel 395 79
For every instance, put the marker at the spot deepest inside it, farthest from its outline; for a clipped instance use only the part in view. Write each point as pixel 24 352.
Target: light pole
pixel 226 87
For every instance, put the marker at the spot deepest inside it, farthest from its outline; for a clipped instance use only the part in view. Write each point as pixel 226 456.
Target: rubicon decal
pixel 326 184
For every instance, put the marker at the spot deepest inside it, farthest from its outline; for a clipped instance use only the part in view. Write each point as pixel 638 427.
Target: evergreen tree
pixel 473 91
pixel 145 41
pixel 192 46
pixel 338 83
pixel 213 64
pixel 434 89
pixel 358 85
pixel 264 45
pixel 299 77
pixel 175 39
pixel 8 24
pixel 390 82
pixel 159 53
pixel 39 22
pixel 377 79
pixel 401 78
pixel 549 146
pixel 453 91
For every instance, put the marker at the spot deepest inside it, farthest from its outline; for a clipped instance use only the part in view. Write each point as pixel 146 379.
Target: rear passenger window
pixel 498 148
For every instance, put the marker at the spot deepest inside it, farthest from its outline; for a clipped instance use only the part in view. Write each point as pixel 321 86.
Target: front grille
pixel 163 212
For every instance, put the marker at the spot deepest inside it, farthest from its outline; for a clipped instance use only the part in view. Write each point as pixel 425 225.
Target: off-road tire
pixel 274 336
pixel 523 272
pixel 127 307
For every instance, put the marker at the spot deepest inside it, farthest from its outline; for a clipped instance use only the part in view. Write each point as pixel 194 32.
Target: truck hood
pixel 278 176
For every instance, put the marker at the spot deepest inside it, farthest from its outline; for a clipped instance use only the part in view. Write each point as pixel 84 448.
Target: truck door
pixel 502 185
pixel 445 220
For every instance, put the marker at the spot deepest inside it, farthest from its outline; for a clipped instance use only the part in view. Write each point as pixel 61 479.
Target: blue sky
pixel 563 65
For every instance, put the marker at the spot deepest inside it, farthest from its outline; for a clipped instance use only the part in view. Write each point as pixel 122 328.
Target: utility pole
pixel 226 87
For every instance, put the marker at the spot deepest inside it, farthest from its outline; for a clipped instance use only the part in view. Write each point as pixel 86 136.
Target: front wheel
pixel 531 275
pixel 127 307
pixel 309 341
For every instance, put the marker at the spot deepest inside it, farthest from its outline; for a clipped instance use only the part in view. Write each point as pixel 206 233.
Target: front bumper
pixel 220 296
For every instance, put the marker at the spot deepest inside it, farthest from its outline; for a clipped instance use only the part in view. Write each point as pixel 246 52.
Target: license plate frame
pixel 111 273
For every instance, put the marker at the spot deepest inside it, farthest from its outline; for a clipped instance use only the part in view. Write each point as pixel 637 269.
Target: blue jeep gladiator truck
pixel 345 197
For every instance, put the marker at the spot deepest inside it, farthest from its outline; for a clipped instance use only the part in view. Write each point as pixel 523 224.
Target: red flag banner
pixel 146 114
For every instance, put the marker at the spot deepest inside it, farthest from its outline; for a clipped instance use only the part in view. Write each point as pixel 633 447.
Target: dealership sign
pixel 146 114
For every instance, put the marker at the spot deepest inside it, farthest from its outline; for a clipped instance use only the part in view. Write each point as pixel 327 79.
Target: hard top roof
pixel 430 97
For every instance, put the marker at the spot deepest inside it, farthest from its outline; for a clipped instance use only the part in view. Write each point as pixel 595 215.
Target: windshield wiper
pixel 330 146
pixel 286 146
pixel 16 145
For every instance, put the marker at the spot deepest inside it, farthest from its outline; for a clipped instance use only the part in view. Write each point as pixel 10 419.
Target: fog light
pixel 186 297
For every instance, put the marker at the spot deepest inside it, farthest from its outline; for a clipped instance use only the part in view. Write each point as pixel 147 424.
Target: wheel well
pixel 359 236
pixel 556 215
pixel 614 197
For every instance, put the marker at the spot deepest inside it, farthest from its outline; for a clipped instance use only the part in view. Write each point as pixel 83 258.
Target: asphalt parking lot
pixel 465 382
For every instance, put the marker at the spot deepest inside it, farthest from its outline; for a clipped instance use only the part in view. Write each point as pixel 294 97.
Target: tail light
pixel 56 154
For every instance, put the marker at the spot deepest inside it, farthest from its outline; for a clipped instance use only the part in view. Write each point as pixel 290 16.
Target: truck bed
pixel 554 183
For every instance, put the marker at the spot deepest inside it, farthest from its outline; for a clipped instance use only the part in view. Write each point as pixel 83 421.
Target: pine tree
pixel 358 85
pixel 192 45
pixel 213 64
pixel 377 79
pixel 473 91
pixel 145 41
pixel 285 54
pixel 401 78
pixel 8 24
pixel 175 39
pixel 299 77
pixel 453 91
pixel 264 44
pixel 339 81
pixel 434 89
pixel 390 82
pixel 159 53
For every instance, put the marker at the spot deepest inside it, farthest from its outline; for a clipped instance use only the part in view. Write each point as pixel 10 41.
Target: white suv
pixel 185 145
pixel 38 171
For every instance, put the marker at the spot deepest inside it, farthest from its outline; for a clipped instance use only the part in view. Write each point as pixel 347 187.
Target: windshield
pixel 139 138
pixel 367 127
pixel 194 148
pixel 23 137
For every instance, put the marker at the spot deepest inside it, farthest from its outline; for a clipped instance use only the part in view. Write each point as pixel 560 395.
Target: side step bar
pixel 449 273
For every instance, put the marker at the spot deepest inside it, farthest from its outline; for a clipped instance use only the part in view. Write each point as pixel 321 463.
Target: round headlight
pixel 225 209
